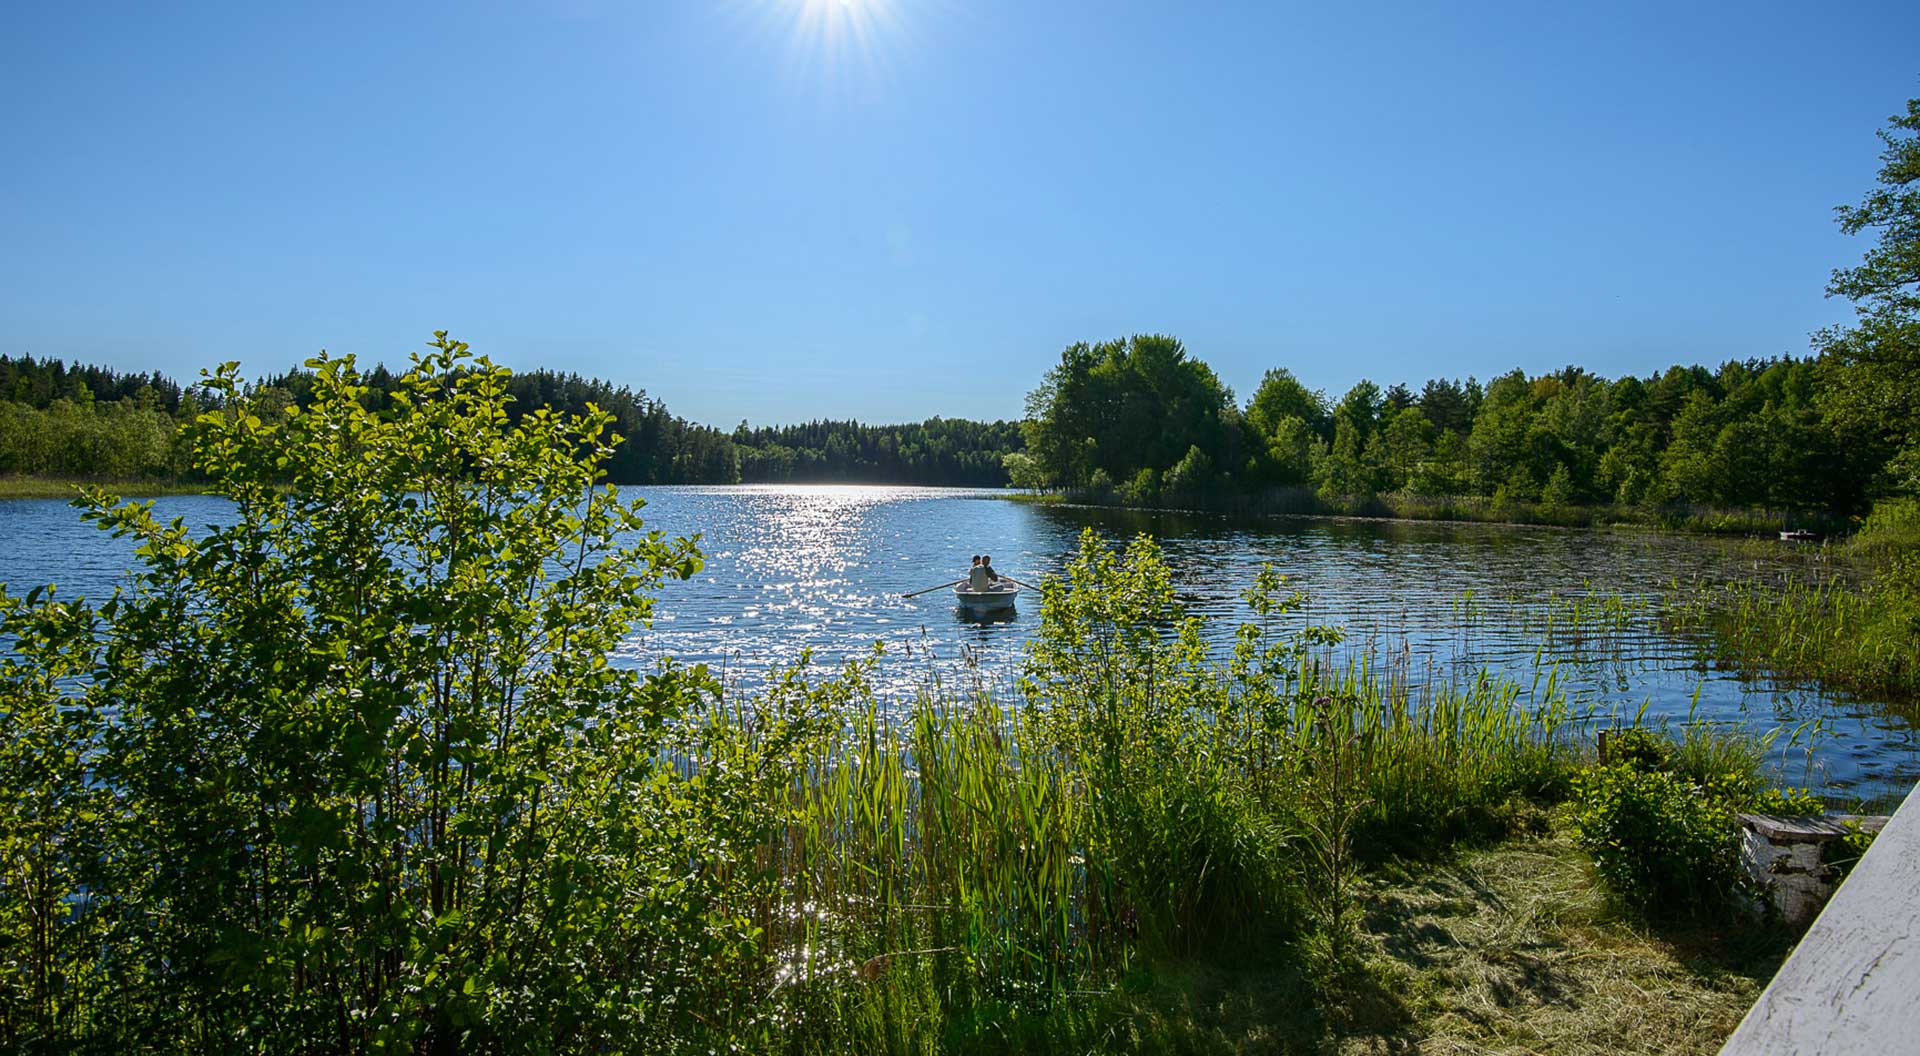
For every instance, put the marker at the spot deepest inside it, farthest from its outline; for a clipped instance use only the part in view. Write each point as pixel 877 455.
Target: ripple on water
pixel 793 569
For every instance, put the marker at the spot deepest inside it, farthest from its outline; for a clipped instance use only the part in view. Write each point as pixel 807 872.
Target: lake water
pixel 798 568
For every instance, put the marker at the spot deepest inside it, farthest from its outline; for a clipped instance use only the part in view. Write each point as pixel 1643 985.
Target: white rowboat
pixel 1000 597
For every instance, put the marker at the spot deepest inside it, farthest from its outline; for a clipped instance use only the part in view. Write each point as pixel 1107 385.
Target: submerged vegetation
pixel 354 773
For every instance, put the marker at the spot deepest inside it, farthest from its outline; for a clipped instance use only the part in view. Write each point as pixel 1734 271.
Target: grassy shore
pixel 1469 508
pixel 1147 852
pixel 67 488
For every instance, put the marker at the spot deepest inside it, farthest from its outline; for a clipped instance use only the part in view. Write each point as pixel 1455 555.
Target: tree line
pixel 1142 419
pixel 660 447
pixel 954 451
pixel 82 421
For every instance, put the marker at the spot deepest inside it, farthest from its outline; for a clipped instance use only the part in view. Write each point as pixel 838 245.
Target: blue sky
pixel 790 209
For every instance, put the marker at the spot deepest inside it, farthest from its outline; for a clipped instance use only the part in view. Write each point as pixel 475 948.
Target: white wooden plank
pixel 1852 986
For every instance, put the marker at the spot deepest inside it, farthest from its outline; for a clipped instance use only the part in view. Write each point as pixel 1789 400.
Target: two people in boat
pixel 982 576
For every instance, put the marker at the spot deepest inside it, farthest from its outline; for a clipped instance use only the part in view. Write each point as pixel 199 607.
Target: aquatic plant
pixel 1856 630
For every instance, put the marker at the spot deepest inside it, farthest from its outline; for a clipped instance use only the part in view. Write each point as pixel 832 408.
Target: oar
pixel 930 590
pixel 1010 579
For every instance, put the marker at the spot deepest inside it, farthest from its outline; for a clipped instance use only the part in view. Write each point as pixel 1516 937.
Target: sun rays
pixel 852 46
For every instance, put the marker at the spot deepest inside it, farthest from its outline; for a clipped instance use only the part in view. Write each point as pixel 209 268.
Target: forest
pixel 953 451
pixel 1141 420
pixel 87 422
pixel 1756 433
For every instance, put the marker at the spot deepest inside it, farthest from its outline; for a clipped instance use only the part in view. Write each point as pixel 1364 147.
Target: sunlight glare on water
pixel 792 570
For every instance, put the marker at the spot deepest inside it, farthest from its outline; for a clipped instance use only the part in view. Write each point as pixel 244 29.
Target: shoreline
pixel 1302 503
pixel 1278 503
pixel 29 487
pixel 68 487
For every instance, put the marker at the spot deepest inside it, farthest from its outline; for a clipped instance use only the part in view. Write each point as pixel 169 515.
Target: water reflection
pixel 985 617
pixel 793 571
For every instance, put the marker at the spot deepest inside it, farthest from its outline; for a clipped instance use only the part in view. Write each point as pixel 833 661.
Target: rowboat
pixel 1000 597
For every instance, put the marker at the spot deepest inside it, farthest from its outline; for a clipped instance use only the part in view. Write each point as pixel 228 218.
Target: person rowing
pixel 993 578
pixel 980 576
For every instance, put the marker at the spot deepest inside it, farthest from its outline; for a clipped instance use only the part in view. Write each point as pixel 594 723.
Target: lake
pixel 792 569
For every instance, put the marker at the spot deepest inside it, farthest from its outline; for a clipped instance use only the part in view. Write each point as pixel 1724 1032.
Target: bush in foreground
pixel 352 771
pixel 1658 815
pixel 1655 838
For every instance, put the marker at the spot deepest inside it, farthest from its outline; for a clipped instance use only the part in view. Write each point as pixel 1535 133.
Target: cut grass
pixel 1512 948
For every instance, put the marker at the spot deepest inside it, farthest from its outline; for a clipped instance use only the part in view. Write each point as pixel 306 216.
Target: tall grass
pixel 1133 798
pixel 1850 616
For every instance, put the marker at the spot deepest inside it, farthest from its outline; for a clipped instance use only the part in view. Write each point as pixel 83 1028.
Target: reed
pixel 1853 632
pixel 1131 799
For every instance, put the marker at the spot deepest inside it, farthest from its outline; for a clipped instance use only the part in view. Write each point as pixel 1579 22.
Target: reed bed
pixel 1854 631
pixel 1131 798
pixel 1586 624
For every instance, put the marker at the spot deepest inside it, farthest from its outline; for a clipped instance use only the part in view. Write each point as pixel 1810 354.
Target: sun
pixel 844 5
pixel 836 44
pixel 844 25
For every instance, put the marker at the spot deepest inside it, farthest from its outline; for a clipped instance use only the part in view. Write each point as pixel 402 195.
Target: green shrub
pixel 1658 841
pixel 351 771
pixel 1193 473
pixel 1786 801
pixel 1892 528
pixel 1640 748
pixel 1728 762
pixel 1844 853
pixel 1143 489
